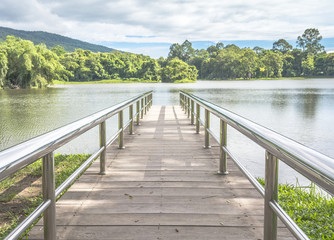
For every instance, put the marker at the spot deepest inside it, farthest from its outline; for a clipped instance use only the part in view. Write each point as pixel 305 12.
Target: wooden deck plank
pixel 163 185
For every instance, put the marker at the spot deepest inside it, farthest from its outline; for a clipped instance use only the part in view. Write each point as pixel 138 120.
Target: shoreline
pixel 57 82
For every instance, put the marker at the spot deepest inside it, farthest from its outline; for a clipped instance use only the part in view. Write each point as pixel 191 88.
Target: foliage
pixel 65 165
pixel 177 70
pixel 310 41
pixel 231 62
pixel 312 211
pixel 24 65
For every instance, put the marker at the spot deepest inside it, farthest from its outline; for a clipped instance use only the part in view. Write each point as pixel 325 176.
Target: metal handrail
pixel 315 166
pixel 17 157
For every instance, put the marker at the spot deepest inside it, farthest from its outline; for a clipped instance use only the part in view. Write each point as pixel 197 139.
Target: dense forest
pixel 24 64
pixel 231 62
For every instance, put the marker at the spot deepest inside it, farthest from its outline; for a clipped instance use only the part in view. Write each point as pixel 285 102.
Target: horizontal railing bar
pixel 113 138
pixel 25 224
pixel 317 167
pixel 250 177
pixel 201 122
pixel 126 124
pixel 291 225
pixel 77 172
pixel 23 154
pixel 214 136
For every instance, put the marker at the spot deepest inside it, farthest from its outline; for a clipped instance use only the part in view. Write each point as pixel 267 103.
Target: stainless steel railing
pixel 15 158
pixel 315 166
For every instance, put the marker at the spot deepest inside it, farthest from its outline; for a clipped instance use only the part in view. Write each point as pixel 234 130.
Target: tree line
pixel 231 62
pixel 24 65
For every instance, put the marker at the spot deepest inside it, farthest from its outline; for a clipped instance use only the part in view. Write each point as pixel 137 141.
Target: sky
pixel 151 26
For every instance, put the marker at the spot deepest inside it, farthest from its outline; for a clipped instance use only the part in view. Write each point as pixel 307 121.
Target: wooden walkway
pixel 163 185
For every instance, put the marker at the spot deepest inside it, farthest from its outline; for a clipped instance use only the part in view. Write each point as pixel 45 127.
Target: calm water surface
pixel 300 109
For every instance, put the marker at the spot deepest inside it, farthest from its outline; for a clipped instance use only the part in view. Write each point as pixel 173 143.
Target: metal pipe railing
pixel 313 165
pixel 15 158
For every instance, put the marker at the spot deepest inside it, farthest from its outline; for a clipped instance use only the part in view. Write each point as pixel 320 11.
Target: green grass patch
pixel 19 196
pixel 312 210
pixel 131 80
pixel 184 81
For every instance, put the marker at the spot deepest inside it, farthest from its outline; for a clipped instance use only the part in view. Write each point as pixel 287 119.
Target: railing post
pixel 188 109
pixel 198 115
pixel 207 126
pixel 48 185
pixel 271 187
pixel 120 127
pixel 103 144
pixel 142 108
pixel 145 104
pixel 151 99
pixel 131 119
pixel 223 156
pixel 192 112
pixel 185 103
pixel 180 96
pixel 138 112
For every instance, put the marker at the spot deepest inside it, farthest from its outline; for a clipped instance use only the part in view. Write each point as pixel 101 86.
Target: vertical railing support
pixel 223 156
pixel 103 144
pixel 151 99
pixel 145 105
pixel 271 187
pixel 207 126
pixel 138 112
pixel 120 127
pixel 198 115
pixel 185 103
pixel 48 185
pixel 180 96
pixel 142 108
pixel 192 112
pixel 188 109
pixel 131 119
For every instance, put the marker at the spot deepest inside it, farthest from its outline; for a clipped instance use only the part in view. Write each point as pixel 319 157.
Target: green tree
pixel 282 45
pixel 249 62
pixel 177 69
pixel 184 51
pixel 310 41
pixel 3 69
pixel 308 65
pixel 273 64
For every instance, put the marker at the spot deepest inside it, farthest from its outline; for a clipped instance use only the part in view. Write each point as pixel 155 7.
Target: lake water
pixel 299 109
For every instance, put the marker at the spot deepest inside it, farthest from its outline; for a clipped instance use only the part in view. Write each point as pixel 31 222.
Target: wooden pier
pixel 163 185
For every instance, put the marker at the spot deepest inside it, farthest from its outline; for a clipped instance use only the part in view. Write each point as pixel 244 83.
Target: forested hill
pixel 51 40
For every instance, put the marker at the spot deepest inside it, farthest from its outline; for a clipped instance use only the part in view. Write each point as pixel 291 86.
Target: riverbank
pixel 57 82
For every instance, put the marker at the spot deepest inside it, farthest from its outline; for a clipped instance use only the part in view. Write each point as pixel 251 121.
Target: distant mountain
pixel 51 40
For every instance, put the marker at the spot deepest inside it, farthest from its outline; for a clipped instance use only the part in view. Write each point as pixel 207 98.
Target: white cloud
pixel 170 21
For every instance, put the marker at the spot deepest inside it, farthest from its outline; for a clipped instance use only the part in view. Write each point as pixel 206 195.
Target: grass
pixel 21 192
pixel 310 209
pixel 56 82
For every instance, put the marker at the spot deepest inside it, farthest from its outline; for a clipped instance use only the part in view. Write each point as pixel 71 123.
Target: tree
pixel 308 65
pixel 176 69
pixel 282 45
pixel 3 69
pixel 273 63
pixel 184 51
pixel 310 41
pixel 215 48
pixel 248 63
